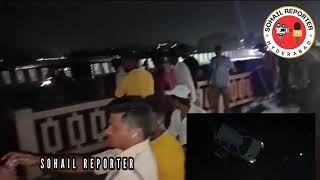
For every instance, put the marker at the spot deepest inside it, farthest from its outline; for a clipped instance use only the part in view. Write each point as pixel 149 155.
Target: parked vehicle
pixel 233 143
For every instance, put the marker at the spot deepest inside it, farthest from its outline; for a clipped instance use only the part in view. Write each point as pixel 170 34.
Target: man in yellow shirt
pixel 138 81
pixel 169 153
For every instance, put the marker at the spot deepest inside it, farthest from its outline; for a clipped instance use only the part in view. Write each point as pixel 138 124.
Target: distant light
pixel 252 161
pixel 301 154
pixel 47 82
pixel 262 145
pixel 51 59
pixel 245 58
pixel 1 60
pixel 174 45
pixel 242 40
pixel 195 51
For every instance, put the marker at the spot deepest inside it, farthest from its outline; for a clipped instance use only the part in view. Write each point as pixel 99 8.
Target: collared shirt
pixel 138 82
pixel 145 165
pixel 170 157
pixel 184 76
pixel 220 67
pixel 178 126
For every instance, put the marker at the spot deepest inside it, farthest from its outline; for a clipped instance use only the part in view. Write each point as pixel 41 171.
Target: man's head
pixel 182 50
pixel 130 62
pixel 180 96
pixel 159 114
pixel 261 47
pixel 158 61
pixel 129 122
pixel 172 57
pixel 218 50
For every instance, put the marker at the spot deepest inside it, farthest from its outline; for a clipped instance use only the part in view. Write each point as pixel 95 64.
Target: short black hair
pixel 157 106
pixel 138 113
pixel 171 53
pixel 217 48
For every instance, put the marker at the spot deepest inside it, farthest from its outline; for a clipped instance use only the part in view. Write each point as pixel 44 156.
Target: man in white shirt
pixel 181 101
pixel 183 74
pixel 128 132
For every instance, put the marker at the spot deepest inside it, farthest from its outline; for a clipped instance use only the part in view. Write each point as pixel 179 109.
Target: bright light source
pixel 242 40
pixel 51 59
pixel 252 161
pixel 262 145
pixel 301 154
pixel 47 82
pixel 245 58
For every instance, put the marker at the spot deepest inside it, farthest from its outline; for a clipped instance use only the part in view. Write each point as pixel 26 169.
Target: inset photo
pixel 251 146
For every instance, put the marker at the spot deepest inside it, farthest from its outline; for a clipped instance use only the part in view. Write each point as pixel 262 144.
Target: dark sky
pixel 52 29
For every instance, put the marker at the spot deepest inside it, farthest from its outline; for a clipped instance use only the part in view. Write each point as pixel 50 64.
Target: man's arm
pixel 232 66
pixel 6 175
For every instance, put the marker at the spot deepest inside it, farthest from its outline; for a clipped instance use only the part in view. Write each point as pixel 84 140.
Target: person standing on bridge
pixel 164 78
pixel 191 62
pixel 168 151
pixel 180 97
pixel 219 80
pixel 128 131
pixel 138 81
pixel 183 74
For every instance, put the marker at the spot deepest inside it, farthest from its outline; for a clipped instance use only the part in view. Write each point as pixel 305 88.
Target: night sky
pixel 52 29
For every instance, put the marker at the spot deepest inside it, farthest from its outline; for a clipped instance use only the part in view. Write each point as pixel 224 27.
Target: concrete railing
pixel 240 89
pixel 74 128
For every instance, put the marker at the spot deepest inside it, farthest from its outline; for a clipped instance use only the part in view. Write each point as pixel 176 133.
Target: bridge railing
pixel 240 90
pixel 77 128
pixel 73 128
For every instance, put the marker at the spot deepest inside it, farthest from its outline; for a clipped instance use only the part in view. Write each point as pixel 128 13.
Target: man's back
pixel 183 76
pixel 170 157
pixel 138 82
pixel 220 67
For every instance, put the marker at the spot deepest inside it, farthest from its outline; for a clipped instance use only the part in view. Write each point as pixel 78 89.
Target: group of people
pixel 136 116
